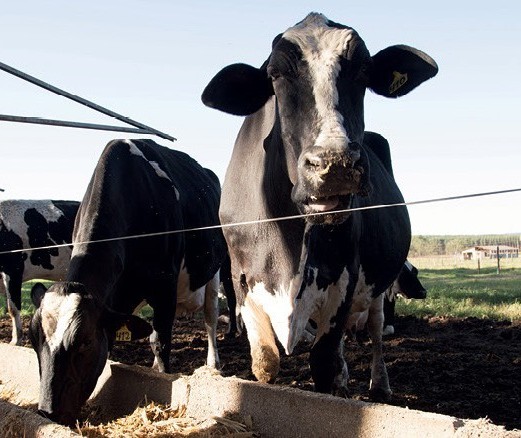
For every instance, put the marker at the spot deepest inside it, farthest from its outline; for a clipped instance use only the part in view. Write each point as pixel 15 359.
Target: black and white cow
pixel 301 150
pixel 28 224
pixel 138 188
pixel 408 285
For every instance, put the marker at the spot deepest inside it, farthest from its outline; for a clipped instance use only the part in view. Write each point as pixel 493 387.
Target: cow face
pixel 70 332
pixel 318 72
pixel 408 283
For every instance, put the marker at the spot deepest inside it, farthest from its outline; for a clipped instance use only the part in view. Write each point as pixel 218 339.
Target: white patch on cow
pixel 188 301
pixel 58 312
pixel 289 315
pixel 211 313
pixel 332 299
pixel 58 273
pixel 408 265
pixel 12 215
pixel 280 307
pixel 362 300
pixel 134 150
pixel 321 47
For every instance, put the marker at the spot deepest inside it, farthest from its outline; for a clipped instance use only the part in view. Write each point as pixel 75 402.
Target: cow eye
pixel 85 345
pixel 364 72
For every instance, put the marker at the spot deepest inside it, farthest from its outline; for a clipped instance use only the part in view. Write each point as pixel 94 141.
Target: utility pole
pixel 498 263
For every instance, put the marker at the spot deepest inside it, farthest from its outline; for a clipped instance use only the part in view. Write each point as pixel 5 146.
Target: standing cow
pixel 138 188
pixel 302 150
pixel 26 224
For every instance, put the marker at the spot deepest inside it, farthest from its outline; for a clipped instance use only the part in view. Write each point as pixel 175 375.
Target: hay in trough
pixel 156 420
pixel 10 395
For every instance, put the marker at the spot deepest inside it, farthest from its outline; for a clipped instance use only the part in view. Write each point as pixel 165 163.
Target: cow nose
pixel 319 160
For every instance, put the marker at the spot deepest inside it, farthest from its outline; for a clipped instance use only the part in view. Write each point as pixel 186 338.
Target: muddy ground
pixel 468 368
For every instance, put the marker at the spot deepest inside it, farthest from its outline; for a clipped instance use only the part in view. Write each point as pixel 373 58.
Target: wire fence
pixel 434 250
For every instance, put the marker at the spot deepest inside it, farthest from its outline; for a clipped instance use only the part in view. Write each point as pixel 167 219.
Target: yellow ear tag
pixel 123 334
pixel 398 80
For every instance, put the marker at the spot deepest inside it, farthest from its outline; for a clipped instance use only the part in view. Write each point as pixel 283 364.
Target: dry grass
pixel 156 420
pixel 13 396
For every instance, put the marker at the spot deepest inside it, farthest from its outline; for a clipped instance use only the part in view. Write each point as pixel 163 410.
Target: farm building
pixel 490 252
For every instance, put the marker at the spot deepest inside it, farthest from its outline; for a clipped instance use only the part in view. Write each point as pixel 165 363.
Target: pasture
pixel 456 288
pixel 449 350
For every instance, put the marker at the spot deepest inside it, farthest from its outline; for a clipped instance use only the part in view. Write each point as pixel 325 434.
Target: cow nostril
pixel 313 162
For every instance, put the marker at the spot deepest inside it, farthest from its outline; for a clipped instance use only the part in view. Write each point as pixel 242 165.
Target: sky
pixel 456 134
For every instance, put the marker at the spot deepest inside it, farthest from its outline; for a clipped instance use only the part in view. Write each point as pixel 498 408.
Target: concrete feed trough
pixel 275 411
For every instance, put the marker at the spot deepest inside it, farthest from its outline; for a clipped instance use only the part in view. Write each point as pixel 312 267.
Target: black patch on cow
pixel 380 147
pixel 38 231
pixel 8 241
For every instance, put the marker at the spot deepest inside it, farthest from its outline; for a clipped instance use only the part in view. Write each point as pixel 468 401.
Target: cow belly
pixel 188 301
pixel 60 265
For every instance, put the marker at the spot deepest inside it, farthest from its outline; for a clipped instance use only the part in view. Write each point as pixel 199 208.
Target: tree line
pixel 449 245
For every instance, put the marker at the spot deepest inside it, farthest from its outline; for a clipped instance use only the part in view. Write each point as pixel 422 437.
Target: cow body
pixel 302 150
pixel 26 224
pixel 138 187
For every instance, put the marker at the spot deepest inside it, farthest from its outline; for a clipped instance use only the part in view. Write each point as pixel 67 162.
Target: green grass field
pixel 455 289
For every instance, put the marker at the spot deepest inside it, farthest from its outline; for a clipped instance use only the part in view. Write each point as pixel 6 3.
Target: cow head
pixel 318 72
pixel 71 332
pixel 408 283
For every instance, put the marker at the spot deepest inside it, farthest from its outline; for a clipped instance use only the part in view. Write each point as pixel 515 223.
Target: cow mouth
pixel 327 209
pixel 319 205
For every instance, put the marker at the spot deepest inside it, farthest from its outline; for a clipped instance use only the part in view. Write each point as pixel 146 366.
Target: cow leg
pixel 162 323
pixel 328 367
pixel 389 304
pixel 231 301
pixel 211 314
pixel 265 358
pixel 13 288
pixel 379 389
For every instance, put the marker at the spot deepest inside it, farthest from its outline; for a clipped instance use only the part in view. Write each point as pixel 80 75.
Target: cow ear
pixel 37 292
pixel 129 327
pixel 397 70
pixel 238 89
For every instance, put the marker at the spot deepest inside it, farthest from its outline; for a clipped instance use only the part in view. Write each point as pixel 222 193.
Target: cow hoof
pixel 388 330
pixel 265 366
pixel 379 395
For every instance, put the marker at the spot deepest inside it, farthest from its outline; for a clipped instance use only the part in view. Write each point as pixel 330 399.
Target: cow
pixel 138 188
pixel 408 285
pixel 302 151
pixel 26 224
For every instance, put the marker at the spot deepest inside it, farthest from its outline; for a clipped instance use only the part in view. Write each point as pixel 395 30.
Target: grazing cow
pixel 28 224
pixel 408 285
pixel 301 150
pixel 138 188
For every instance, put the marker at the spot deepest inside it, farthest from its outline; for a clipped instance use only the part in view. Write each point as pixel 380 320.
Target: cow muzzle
pixel 327 180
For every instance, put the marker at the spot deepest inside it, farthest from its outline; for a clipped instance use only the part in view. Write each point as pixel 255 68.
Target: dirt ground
pixel 468 368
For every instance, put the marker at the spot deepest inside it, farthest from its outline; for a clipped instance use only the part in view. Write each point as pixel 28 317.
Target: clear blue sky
pixel 150 60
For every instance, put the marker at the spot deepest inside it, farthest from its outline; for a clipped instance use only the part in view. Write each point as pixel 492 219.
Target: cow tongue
pixel 323 204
